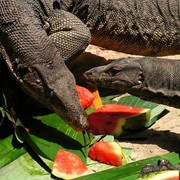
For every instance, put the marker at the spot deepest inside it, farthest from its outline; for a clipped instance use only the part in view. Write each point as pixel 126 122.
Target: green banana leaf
pixel 61 136
pixel 130 171
pixel 25 167
pixel 47 134
pixel 8 152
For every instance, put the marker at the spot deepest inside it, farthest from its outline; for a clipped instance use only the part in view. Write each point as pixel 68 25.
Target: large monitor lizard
pixel 148 78
pixel 131 26
pixel 35 40
pixel 31 32
pixel 150 28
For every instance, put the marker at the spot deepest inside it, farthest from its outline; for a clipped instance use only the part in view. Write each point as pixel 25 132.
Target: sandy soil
pixel 163 136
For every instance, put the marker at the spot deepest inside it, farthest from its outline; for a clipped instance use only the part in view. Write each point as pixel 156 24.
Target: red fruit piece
pixel 85 96
pixel 114 118
pixel 107 152
pixel 68 165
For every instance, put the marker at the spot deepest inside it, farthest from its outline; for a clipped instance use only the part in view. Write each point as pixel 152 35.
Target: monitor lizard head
pixel 35 60
pixel 121 74
pixel 55 88
pixel 53 85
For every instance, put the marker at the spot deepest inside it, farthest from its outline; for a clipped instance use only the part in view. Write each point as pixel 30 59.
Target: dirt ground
pixel 163 136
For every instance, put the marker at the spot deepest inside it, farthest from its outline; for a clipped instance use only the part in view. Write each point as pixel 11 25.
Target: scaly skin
pixel 150 81
pixel 131 26
pixel 35 61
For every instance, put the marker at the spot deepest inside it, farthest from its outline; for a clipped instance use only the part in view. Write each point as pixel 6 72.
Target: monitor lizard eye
pixel 114 71
pixel 56 4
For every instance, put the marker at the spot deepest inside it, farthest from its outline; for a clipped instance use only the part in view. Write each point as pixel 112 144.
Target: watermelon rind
pixel 162 175
pixel 136 122
pixel 119 127
pixel 58 174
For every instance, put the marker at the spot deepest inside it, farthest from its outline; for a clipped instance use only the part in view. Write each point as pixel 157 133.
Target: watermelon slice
pixel 68 165
pixel 89 97
pixel 107 152
pixel 85 96
pixel 113 119
pixel 163 175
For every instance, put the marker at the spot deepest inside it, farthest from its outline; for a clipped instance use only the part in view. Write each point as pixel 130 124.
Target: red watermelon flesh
pixel 85 96
pixel 107 152
pixel 114 118
pixel 68 165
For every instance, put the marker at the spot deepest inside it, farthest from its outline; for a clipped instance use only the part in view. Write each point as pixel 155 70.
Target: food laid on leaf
pixel 108 119
pixel 68 165
pixel 108 152
pixel 113 119
pixel 86 98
